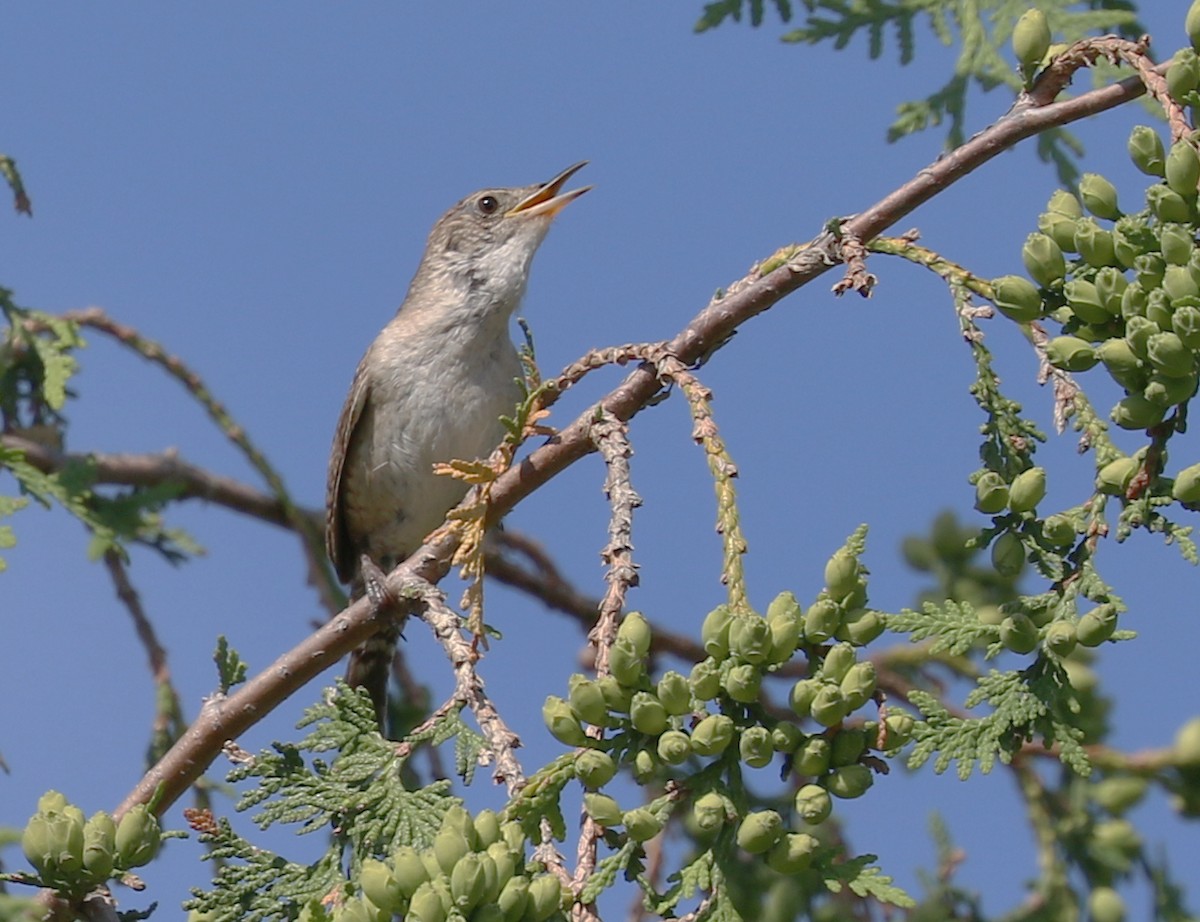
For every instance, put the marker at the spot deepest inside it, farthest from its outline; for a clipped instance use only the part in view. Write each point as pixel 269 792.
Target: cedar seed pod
pixel 603 809
pixel 849 781
pixel 813 757
pixel 813 804
pixel 1166 392
pixel 1064 203
pixel 1094 243
pixel 1031 40
pixel 674 747
pixel 710 811
pixel 457 819
pixel 545 897
pixel 616 695
pixel 829 707
pixel 99 845
pixel 1186 749
pixel 1179 283
pixel 1085 302
pixel 1060 639
pixel 793 853
pixel 514 898
pixel 636 629
pixel 1097 625
pixel 1105 905
pixel 1099 196
pixel 408 870
pixel 587 700
pixel 1018 633
pixel 759 831
pixel 1016 298
pixel 860 626
pixel 750 638
pixel 1158 307
pixel 1118 834
pixel 628 666
pixel 674 693
pixel 645 766
pixel 1027 490
pixel 1114 477
pixel 900 727
pixel 1182 169
pixel 1060 228
pixel 837 662
pixel 138 838
pixel 52 802
pixel 821 621
pixel 1176 242
pixel 1186 488
pixel 847 747
pixel 1008 554
pixel 592 767
pixel 712 735
pixel 426 905
pixel 743 683
pixel 991 493
pixel 1138 331
pixel 1119 793
pixel 562 723
pixel 1110 286
pixel 841 574
pixel 1133 301
pixel 783 605
pixel 505 862
pixel 1135 412
pixel 1043 260
pixel 1127 243
pixel 355 910
pixel 802 694
pixel 449 847
pixel 1118 357
pixel 380 886
pixel 647 714
pixel 714 632
pixel 1183 76
pixel 468 883
pixel 514 837
pixel 1070 353
pixel 487 822
pixel 1168 205
pixel 705 680
pixel 1146 151
pixel 36 842
pixel 858 685
pixel 785 737
pixel 1058 530
pixel 754 747
pixel 786 628
pixel 1185 321
pixel 641 824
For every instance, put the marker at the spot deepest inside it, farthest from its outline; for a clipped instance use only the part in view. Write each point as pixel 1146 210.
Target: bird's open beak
pixel 546 200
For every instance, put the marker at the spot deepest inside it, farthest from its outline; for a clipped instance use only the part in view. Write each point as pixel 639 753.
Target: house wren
pixel 432 388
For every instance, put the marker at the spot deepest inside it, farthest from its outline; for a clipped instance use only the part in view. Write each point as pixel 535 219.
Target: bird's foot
pixel 375 586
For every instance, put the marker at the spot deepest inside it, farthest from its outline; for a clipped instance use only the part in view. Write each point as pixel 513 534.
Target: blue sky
pixel 253 189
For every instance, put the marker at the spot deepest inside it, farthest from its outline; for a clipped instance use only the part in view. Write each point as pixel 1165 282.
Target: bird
pixel 430 389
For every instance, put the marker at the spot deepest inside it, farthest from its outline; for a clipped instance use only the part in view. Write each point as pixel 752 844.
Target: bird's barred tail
pixel 370 668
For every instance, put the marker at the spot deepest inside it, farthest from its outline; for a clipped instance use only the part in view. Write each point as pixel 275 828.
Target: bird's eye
pixel 487 204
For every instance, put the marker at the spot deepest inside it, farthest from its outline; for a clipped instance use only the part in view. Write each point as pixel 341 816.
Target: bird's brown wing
pixel 337 542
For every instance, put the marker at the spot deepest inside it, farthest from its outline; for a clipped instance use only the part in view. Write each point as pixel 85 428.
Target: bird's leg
pixel 375 586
